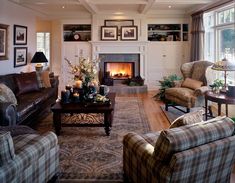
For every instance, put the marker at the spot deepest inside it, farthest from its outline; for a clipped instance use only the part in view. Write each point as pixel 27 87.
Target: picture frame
pixel 20 35
pixel 3 42
pixel 109 33
pixel 119 23
pixel 20 56
pixel 129 33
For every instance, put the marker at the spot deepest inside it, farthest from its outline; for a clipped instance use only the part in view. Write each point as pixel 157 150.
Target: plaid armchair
pixel 26 156
pixel 201 152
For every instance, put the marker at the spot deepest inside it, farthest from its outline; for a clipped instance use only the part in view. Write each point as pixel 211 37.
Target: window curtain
pixel 197 39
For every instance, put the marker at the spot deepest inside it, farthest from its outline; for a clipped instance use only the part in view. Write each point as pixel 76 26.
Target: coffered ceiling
pixel 73 8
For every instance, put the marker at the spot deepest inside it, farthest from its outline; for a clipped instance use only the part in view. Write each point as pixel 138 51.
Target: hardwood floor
pixel 156 117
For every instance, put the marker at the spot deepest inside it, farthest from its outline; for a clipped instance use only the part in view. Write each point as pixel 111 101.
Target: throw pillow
pixel 46 79
pixel 27 82
pixel 43 78
pixel 191 83
pixel 6 95
pixel 7 152
pixel 189 118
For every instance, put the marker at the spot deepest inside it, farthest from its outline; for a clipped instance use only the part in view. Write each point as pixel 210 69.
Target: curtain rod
pixel 212 7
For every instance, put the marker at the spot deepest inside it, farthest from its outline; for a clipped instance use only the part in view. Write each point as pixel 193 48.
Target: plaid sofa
pixel 28 157
pixel 201 152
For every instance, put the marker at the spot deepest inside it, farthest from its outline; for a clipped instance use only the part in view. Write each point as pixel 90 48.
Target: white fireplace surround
pixel 123 47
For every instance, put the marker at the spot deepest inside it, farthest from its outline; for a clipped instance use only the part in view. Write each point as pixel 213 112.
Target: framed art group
pixel 20 38
pixel 123 28
pixel 3 42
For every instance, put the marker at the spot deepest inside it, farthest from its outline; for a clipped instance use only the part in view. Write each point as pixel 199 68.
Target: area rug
pixel 87 154
pixel 173 113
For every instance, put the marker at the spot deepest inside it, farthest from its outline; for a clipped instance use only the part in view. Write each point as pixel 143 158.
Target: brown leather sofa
pixel 30 105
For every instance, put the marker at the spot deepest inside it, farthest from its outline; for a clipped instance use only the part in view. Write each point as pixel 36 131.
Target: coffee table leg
pixel 57 122
pixel 107 124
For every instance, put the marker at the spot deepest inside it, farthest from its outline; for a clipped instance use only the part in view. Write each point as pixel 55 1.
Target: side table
pixel 220 98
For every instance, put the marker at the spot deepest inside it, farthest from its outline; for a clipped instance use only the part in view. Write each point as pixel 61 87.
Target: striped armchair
pixel 27 157
pixel 201 152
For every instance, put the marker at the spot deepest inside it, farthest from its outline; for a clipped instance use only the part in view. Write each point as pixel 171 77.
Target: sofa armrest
pixel 201 91
pixel 138 145
pixel 7 114
pixel 54 81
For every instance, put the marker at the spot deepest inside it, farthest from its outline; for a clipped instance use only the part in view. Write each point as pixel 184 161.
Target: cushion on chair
pixel 7 152
pixel 179 139
pixel 191 83
pixel 184 94
pixel 6 95
pixel 188 119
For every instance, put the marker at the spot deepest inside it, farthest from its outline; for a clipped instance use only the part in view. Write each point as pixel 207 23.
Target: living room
pixel 154 37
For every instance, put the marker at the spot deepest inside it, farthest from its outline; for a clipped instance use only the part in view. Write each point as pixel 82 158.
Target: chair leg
pixel 210 111
pixel 166 106
pixel 188 110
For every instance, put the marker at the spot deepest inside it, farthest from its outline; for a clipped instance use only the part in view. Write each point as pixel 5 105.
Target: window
pixel 220 36
pixel 43 43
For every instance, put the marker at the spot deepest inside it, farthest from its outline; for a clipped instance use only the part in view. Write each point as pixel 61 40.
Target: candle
pixel 78 84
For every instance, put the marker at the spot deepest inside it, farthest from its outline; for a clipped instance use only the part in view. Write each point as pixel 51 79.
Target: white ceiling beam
pixel 56 2
pixel 111 2
pixel 89 6
pixel 182 1
pixel 143 9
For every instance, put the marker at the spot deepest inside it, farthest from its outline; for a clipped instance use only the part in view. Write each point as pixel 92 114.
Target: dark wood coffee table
pixel 71 108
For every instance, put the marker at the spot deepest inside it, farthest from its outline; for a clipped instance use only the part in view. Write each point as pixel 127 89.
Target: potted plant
pixel 217 85
pixel 167 82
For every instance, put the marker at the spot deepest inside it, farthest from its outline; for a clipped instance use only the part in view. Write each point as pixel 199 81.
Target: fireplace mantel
pixel 123 47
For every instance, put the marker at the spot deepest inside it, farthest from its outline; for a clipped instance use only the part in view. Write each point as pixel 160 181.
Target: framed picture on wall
pixel 119 23
pixel 20 56
pixel 109 33
pixel 129 33
pixel 20 35
pixel 3 42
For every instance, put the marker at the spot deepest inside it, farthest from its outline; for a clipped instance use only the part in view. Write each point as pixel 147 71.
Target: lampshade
pixel 223 65
pixel 39 57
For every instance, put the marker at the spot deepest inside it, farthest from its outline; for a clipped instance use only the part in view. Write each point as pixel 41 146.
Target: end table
pixel 220 98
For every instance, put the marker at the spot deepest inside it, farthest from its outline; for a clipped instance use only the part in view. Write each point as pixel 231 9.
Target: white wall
pixel 11 14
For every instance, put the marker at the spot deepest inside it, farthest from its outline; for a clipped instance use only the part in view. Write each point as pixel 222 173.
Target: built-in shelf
pixel 167 32
pixel 77 32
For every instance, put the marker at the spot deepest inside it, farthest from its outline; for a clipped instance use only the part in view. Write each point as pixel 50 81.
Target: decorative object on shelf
pixel 39 58
pixel 3 42
pixel 20 35
pixel 129 33
pixel 225 66
pixel 20 56
pixel 118 23
pixel 85 75
pixel 217 85
pixel 109 33
pixel 77 32
pixel 167 82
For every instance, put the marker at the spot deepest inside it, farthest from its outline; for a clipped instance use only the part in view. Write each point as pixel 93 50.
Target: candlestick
pixel 78 84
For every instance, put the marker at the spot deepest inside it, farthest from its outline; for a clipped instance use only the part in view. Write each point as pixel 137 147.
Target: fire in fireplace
pixel 120 70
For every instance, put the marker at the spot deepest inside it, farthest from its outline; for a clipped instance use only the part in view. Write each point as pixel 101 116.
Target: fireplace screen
pixel 120 70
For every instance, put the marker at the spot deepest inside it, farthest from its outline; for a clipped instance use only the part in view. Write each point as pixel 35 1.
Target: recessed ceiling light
pixel 118 13
pixel 169 6
pixel 63 7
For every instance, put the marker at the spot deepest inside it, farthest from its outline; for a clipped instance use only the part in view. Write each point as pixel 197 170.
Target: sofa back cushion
pixel 179 139
pixel 9 80
pixel 27 82
pixel 7 152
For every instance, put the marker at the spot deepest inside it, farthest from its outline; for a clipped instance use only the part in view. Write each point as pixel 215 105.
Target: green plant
pixel 167 82
pixel 217 84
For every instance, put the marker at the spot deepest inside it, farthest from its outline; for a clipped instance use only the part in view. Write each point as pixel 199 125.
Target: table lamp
pixel 39 58
pixel 225 66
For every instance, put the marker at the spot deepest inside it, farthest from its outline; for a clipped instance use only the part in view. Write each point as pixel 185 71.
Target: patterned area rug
pixel 87 154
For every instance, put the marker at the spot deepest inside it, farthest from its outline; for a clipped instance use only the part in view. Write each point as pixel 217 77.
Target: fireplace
pixel 119 66
pixel 119 70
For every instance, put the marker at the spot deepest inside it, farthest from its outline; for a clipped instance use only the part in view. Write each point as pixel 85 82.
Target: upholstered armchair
pixel 200 152
pixel 191 92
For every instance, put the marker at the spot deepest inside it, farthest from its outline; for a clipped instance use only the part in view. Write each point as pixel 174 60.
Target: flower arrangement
pixel 86 70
